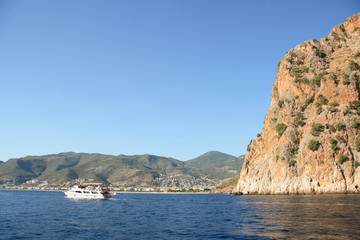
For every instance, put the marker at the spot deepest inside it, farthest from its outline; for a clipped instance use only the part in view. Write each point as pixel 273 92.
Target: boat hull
pixel 86 196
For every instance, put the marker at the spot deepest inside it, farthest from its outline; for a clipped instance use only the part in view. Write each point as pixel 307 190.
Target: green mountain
pixel 122 170
pixel 217 165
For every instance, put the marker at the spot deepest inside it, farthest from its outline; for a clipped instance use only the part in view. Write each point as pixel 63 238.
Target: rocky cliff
pixel 311 139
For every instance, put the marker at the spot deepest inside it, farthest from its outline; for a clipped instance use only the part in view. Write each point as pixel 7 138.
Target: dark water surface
pixel 48 215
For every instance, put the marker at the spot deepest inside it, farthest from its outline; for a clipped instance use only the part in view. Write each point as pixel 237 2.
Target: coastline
pixel 198 193
pixel 117 192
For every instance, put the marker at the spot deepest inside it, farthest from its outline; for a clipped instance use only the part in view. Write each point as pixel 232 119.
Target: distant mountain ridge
pixel 121 170
pixel 219 165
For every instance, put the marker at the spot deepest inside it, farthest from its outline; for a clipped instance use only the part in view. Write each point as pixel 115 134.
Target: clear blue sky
pixel 170 78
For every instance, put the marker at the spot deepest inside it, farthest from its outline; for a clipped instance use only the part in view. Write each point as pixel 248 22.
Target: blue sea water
pixel 49 215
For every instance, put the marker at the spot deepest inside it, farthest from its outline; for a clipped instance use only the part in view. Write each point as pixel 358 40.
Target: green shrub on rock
pixel 319 110
pixel 280 128
pixel 308 101
pixel 298 121
pixel 355 124
pixel 281 103
pixel 357 143
pixel 321 101
pixel 332 106
pixel 354 104
pixel 292 163
pixel 314 145
pixel 334 145
pixel 356 164
pixel 340 127
pixel 343 158
pixel 299 62
pixel 346 80
pixel 305 80
pixel 294 150
pixel 332 128
pixel 320 53
pixel 316 129
pixel 316 81
pixel 249 146
pixel 353 65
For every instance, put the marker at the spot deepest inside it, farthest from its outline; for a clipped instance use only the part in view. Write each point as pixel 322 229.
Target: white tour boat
pixel 88 192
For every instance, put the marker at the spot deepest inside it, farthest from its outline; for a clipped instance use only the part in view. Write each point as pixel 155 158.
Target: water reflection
pixel 304 217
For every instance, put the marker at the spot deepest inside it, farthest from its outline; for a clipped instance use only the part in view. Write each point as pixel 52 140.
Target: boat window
pixel 94 193
pixel 78 191
pixel 86 192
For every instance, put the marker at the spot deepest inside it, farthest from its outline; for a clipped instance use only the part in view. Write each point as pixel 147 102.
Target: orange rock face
pixel 311 139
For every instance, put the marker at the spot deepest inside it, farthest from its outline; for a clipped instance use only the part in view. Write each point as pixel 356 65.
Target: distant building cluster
pixel 161 184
